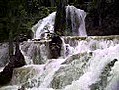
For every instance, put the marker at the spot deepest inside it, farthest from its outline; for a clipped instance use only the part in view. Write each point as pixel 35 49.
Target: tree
pixel 60 19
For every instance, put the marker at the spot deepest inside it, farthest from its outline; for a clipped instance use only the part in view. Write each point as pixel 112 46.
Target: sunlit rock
pixel 24 74
pixel 95 70
pixel 114 78
pixel 35 52
pixel 89 63
pixel 73 67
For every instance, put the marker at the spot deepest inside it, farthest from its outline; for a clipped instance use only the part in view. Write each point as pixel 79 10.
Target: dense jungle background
pixel 18 16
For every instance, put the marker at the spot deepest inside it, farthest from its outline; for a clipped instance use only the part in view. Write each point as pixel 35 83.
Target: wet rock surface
pixel 55 46
pixel 15 61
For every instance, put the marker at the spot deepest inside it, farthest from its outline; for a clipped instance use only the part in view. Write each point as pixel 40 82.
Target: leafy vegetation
pixel 18 16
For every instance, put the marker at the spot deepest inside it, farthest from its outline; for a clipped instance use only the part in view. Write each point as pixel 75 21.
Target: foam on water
pixel 43 26
pixel 46 25
pixel 3 54
pixel 96 65
pixel 91 57
pixel 77 16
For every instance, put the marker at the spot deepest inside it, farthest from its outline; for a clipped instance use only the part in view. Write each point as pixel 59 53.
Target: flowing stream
pixel 75 20
pixel 86 62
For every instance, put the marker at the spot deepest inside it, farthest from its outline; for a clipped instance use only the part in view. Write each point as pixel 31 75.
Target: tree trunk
pixel 52 3
pixel 60 20
pixel 101 6
pixel 10 44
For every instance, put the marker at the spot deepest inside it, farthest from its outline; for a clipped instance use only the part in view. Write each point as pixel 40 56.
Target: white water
pixel 84 63
pixel 43 26
pixel 114 78
pixel 81 69
pixel 3 54
pixel 77 16
pixel 46 25
pixel 96 65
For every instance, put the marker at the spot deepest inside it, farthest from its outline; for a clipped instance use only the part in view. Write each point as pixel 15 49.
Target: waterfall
pixel 86 62
pixel 95 67
pixel 46 25
pixel 77 18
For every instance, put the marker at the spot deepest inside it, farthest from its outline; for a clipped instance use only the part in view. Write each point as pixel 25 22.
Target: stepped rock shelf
pixel 86 63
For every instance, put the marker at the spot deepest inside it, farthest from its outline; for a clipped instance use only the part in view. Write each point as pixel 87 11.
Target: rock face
pixel 55 47
pixel 15 61
pixel 28 72
pixel 19 58
pixel 38 52
pixel 73 68
pixel 92 65
pixel 6 74
pixel 35 52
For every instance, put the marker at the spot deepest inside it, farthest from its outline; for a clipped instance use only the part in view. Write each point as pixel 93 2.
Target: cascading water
pixel 46 25
pixel 76 19
pixel 87 66
pixel 86 63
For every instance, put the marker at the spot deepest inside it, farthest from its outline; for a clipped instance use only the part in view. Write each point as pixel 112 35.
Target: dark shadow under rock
pixel 15 61
pixel 55 47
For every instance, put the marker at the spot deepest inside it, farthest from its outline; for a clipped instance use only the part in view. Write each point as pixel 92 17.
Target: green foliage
pixel 18 17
